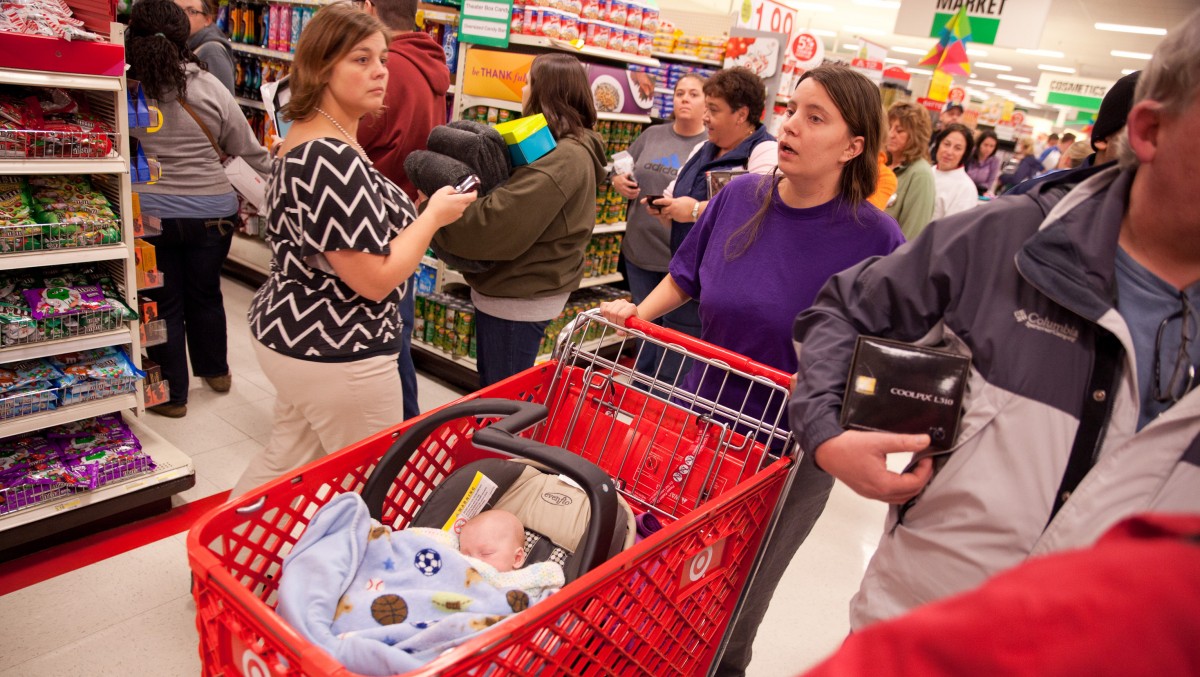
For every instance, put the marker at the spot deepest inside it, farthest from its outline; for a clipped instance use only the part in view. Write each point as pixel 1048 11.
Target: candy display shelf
pixel 132 497
pixel 688 59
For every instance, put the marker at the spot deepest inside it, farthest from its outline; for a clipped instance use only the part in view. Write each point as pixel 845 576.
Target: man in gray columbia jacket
pixel 1079 311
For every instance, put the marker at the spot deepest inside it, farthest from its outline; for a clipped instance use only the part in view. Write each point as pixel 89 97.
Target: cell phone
pixel 650 202
pixel 470 183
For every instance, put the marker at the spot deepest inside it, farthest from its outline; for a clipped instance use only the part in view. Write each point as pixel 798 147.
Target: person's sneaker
pixel 220 384
pixel 169 410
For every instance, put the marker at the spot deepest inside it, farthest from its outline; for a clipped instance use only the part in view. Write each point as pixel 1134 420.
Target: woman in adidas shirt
pixel 344 240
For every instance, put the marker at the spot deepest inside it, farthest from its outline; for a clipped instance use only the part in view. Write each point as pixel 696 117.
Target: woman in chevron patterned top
pixel 344 240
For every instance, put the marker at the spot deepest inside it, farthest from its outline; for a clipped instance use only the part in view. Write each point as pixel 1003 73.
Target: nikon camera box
pixel 901 388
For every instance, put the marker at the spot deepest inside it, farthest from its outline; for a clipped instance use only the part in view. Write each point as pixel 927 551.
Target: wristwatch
pixel 696 211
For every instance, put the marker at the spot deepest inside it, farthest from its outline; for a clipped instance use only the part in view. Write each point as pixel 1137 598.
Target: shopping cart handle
pixel 709 351
pixel 503 436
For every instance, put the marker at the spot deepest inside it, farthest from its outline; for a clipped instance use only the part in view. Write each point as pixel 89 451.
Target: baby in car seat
pixel 496 537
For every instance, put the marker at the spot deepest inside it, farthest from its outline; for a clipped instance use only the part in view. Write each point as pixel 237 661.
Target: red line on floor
pixel 46 564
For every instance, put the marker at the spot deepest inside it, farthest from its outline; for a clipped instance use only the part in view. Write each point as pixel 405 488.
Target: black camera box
pixel 901 388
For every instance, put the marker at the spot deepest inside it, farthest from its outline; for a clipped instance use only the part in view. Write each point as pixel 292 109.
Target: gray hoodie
pixel 212 47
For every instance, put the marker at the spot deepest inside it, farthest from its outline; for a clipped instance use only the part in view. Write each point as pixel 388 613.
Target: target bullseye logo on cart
pixel 700 564
pixel 253 665
pixel 703 564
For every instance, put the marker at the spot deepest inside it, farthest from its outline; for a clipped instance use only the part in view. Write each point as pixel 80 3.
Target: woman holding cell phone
pixel 658 154
pixel 344 240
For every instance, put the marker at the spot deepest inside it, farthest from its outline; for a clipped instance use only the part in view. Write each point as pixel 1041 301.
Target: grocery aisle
pixel 133 613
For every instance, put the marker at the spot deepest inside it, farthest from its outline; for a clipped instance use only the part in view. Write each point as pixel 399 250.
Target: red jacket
pixel 415 103
pixel 1129 605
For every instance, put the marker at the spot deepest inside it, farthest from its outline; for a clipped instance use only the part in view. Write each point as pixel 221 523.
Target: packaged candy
pixel 57 301
pixel 22 374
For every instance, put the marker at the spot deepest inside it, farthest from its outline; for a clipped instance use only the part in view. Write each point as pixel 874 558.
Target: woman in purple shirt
pixel 984 165
pixel 758 256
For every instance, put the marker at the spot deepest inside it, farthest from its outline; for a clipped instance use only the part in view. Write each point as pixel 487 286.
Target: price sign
pixel 957 95
pixel 767 15
pixel 1018 118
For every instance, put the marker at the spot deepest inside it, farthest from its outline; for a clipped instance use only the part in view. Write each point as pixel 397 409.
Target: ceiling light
pixel 920 71
pixel 881 4
pixel 1056 69
pixel 1012 78
pixel 971 51
pixel 1122 28
pixel 992 66
pixel 982 83
pixel 820 31
pixel 898 62
pixel 812 7
pixel 863 30
pixel 1029 88
pixel 1041 52
pixel 1131 55
pixel 850 47
pixel 910 50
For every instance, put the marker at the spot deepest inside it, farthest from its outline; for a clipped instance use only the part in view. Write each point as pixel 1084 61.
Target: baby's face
pixel 496 546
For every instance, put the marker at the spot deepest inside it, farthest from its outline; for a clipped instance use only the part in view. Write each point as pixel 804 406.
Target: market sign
pixel 496 75
pixel 485 22
pixel 1004 23
pixel 1065 90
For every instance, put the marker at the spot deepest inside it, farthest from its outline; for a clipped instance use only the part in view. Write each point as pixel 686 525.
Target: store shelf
pixel 599 280
pixel 468 101
pixel 113 164
pixel 689 59
pixel 171 464
pixel 252 253
pixel 9 76
pixel 301 2
pixel 261 51
pixel 664 90
pixel 589 346
pixel 602 228
pixel 60 257
pixel 250 103
pixel 625 117
pixel 548 43
pixel 451 276
pixel 29 351
pixel 75 412
pixel 440 16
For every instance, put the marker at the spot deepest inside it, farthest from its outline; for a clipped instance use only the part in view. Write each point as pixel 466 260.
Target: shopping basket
pixel 711 471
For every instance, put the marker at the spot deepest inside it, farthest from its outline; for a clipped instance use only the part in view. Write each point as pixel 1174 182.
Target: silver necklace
pixel 346 134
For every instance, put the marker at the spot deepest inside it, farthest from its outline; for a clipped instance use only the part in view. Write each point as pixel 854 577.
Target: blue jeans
pixel 641 283
pixel 505 347
pixel 408 371
pixel 190 254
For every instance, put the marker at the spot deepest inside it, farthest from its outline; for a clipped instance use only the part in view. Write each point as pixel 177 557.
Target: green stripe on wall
pixel 1074 100
pixel 983 31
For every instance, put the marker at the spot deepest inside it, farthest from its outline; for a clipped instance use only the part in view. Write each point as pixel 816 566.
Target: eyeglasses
pixel 1183 375
pixel 193 12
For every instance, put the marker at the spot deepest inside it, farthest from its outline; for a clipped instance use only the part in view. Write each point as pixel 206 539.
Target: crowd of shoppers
pixel 808 249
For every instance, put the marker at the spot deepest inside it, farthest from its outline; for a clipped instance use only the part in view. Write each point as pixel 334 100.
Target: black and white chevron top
pixel 322 196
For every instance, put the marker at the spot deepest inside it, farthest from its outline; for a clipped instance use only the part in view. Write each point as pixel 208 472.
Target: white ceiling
pixel 1069 29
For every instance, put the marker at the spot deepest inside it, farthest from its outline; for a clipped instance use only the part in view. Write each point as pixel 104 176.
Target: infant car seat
pixel 578 523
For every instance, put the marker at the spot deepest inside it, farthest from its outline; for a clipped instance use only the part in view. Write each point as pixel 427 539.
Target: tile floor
pixel 133 614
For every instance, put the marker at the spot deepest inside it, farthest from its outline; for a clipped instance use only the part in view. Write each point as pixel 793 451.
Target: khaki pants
pixel 321 407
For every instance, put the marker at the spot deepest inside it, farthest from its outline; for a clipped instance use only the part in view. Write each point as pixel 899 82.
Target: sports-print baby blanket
pixel 383 601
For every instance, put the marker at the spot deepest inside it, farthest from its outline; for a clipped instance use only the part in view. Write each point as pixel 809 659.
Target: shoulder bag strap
pixel 221 155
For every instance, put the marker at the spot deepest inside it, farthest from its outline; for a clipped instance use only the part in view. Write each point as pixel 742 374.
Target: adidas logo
pixel 669 165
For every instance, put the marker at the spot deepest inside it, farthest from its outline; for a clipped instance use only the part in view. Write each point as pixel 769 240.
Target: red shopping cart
pixel 709 468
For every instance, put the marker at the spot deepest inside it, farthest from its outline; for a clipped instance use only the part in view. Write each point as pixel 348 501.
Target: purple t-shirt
pixel 747 305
